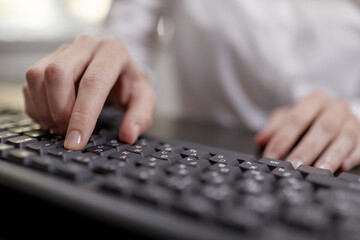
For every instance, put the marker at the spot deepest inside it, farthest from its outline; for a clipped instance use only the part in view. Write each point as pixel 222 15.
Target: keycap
pixel 21 141
pixel 142 150
pixel 125 156
pixel 74 172
pixel 240 218
pixel 64 154
pixel 306 170
pixel 196 206
pixel 44 163
pixel 142 174
pixel 146 142
pixel 247 165
pixel 310 216
pixel 181 170
pixel 195 153
pixel 101 150
pixel 214 177
pixel 348 177
pixel 168 156
pixel 119 185
pixel 97 139
pixel 325 181
pixel 217 193
pixel 180 184
pixel 111 166
pixel 252 186
pixel 155 194
pixel 114 143
pixel 280 172
pixel 6 126
pixel 87 159
pixel 272 164
pixel 41 147
pixel 5 135
pixel 225 169
pixel 168 147
pixel 21 129
pixel 36 134
pixel 224 159
pixel 289 196
pixel 295 184
pixel 20 156
pixel 264 204
pixel 152 162
pixel 195 162
pixel 5 149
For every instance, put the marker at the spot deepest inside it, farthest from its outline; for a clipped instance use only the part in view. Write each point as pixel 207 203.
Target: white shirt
pixel 237 60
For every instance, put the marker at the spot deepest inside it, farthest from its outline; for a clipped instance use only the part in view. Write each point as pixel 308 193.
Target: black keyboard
pixel 173 189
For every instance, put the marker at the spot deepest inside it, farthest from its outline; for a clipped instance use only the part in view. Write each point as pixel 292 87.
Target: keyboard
pixel 169 188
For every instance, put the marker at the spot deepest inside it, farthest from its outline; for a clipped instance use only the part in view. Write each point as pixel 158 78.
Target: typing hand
pixel 67 89
pixel 332 134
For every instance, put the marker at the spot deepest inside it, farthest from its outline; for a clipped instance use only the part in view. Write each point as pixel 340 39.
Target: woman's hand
pixel 332 134
pixel 67 89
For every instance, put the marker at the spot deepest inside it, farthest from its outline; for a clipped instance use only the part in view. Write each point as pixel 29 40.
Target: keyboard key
pixel 195 162
pixel 224 159
pixel 111 166
pixel 195 153
pixel 5 149
pixel 20 156
pixel 241 219
pixel 21 129
pixel 97 139
pixel 88 159
pixel 119 185
pixel 36 134
pixel 310 216
pixel 142 174
pixel 146 142
pixel 180 184
pixel 215 178
pixel 74 172
pixel 181 170
pixel 196 206
pixel 217 193
pixel 155 194
pixel 119 146
pixel 5 135
pixel 64 154
pixel 6 126
pixel 41 147
pixel 325 181
pixel 169 156
pixel 247 165
pixel 21 141
pixel 101 150
pixel 142 150
pixel 125 156
pixel 348 177
pixel 306 170
pixel 280 172
pixel 264 204
pixel 272 164
pixel 152 162
pixel 44 163
pixel 225 169
pixel 168 147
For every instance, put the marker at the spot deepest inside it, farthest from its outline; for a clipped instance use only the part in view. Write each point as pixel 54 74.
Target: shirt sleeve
pixel 134 22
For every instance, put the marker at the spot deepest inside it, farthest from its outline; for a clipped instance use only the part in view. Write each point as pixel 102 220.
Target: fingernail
pixel 73 139
pixel 296 163
pixel 325 165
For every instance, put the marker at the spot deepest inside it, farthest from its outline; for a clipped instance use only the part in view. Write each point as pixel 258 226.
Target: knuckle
pixel 33 74
pixel 80 117
pixel 327 125
pixel 63 46
pixel 52 71
pixel 93 80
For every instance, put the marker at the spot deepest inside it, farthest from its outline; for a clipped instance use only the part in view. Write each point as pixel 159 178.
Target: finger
pixel 297 122
pixel 341 148
pixel 276 119
pixel 35 80
pixel 61 74
pixel 29 106
pixel 322 132
pixel 104 69
pixel 353 159
pixel 139 114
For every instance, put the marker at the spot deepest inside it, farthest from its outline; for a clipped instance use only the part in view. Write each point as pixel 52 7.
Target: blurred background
pixel 30 30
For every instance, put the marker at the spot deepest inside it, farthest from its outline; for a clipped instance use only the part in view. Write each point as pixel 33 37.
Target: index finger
pixel 108 62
